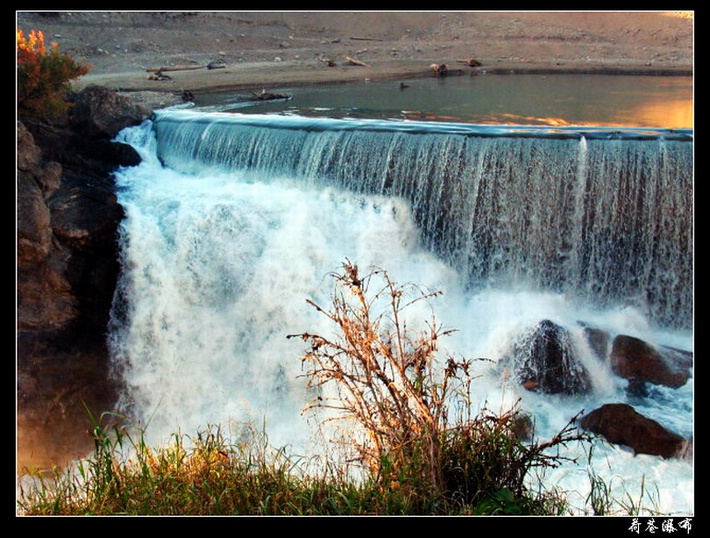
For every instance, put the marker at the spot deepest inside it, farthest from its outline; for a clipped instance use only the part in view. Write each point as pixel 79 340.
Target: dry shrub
pixel 389 379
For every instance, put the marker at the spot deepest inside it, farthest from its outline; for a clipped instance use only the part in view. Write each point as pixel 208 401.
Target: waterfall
pixel 602 214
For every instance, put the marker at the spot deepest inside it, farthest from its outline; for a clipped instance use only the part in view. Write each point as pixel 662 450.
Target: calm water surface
pixel 586 100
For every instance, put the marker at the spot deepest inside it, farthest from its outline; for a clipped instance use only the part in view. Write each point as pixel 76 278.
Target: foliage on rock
pixel 43 76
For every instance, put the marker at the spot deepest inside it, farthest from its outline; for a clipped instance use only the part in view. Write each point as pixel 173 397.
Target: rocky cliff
pixel 67 265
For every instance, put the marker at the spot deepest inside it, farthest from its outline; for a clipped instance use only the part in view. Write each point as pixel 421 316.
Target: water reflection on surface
pixel 557 100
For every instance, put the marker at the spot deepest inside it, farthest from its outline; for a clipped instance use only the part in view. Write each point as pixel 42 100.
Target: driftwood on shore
pixel 439 70
pixel 158 73
pixel 174 68
pixel 328 61
pixel 471 62
pixel 268 96
pixel 356 38
pixel 355 61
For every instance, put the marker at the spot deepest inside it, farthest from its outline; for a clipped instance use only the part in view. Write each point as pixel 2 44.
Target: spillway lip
pixel 424 127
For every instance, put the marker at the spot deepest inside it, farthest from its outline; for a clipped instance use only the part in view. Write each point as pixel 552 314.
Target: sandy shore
pixel 273 50
pixel 277 75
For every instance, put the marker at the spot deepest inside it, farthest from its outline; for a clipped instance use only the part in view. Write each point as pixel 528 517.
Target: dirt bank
pixel 279 49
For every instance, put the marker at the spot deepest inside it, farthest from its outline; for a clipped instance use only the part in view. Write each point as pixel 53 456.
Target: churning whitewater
pixel 234 221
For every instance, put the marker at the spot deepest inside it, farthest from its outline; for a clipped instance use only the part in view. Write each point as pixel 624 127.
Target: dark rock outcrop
pixel 98 112
pixel 68 216
pixel 67 265
pixel 543 359
pixel 621 424
pixel 45 301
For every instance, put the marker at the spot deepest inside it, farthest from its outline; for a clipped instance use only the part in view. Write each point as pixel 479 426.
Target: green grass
pixel 207 475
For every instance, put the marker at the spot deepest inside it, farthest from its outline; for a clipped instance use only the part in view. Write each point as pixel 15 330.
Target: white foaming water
pixel 217 271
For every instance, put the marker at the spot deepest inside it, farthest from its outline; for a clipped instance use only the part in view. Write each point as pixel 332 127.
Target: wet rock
pixel 598 341
pixel 543 359
pixel 621 424
pixel 641 362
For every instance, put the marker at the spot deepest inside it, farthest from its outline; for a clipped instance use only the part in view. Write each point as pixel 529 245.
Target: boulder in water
pixel 543 359
pixel 640 363
pixel 621 424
